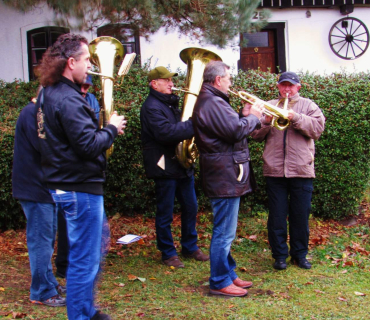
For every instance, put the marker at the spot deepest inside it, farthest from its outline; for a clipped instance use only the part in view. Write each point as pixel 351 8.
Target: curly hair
pixel 55 58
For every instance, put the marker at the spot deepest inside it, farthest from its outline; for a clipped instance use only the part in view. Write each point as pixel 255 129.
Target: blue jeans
pixel 41 230
pixel 84 214
pixel 289 198
pixel 166 190
pixel 225 220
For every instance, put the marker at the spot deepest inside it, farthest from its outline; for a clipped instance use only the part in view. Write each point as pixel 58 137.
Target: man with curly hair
pixel 74 162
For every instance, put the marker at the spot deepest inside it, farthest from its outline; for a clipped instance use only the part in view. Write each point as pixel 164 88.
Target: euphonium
pixel 196 59
pixel 105 53
pixel 279 116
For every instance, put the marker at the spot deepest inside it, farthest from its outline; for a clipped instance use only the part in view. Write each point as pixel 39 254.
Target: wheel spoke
pixel 341 31
pixel 356 30
pixel 353 50
pixel 338 42
pixel 357 35
pixel 362 50
pixel 338 36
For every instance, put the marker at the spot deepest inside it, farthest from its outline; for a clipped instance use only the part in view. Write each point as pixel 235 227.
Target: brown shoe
pixel 197 255
pixel 174 262
pixel 242 284
pixel 232 291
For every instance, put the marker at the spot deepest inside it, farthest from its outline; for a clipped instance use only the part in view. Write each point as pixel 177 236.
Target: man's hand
pixel 118 121
pixel 255 109
pixel 291 114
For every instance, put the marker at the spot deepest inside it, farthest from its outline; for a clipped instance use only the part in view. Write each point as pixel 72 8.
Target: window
pixel 38 40
pixel 125 34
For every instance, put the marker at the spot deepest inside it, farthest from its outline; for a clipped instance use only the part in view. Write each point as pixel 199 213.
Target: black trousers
pixel 61 260
pixel 289 201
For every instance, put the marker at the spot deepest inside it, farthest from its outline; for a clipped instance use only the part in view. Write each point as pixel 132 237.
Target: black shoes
pixel 101 316
pixel 301 263
pixel 279 264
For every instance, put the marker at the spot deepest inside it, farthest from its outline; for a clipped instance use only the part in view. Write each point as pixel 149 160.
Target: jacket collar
pixel 170 99
pixel 208 87
pixel 71 84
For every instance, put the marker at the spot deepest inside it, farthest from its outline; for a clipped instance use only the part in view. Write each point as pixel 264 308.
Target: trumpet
pixel 279 115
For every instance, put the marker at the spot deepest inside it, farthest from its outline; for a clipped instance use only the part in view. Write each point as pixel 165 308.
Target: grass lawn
pixel 135 285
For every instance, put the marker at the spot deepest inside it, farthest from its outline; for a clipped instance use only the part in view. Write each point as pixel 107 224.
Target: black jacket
pixel 161 131
pixel 27 178
pixel 71 145
pixel 221 138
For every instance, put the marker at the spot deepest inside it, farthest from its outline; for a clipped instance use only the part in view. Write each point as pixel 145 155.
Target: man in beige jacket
pixel 289 170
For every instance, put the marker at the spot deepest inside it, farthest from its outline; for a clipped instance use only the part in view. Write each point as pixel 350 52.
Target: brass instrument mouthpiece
pixel 100 75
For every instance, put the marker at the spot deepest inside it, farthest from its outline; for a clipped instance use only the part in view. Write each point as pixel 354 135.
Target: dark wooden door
pixel 260 51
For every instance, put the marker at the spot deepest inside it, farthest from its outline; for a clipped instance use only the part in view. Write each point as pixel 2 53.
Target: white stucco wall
pixel 307 46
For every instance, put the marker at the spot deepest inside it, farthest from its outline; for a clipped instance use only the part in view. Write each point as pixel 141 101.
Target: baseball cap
pixel 290 77
pixel 160 73
pixel 88 80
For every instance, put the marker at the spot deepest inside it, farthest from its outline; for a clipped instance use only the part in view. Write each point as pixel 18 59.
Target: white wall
pixel 163 49
pixel 307 46
pixel 13 34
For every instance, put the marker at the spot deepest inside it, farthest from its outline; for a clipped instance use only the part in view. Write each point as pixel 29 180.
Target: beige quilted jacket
pixel 291 153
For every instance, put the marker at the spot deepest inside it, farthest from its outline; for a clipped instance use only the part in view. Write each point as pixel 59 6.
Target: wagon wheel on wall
pixel 349 38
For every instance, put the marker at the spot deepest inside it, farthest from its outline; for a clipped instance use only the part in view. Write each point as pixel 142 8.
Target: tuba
pixel 105 53
pixel 279 116
pixel 196 60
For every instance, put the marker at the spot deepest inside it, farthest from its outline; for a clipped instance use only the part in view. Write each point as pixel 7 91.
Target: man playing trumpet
pixel 221 137
pixel 289 170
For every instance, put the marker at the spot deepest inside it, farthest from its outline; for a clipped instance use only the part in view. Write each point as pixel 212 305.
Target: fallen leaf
pixel 253 237
pixel 319 291
pixel 2 289
pixel 152 278
pixel 307 283
pixel 141 279
pixel 19 315
pixel 131 277
pixel 342 299
pixel 344 271
pixel 243 269
pixel 359 293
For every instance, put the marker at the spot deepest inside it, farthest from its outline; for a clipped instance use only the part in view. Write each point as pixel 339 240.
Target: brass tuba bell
pixel 196 60
pixel 105 53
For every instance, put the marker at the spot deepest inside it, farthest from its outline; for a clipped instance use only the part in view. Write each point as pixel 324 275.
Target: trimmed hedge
pixel 342 153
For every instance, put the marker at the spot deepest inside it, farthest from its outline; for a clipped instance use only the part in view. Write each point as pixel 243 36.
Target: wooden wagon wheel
pixel 349 38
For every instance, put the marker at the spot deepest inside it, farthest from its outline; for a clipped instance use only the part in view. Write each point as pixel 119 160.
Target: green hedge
pixel 342 153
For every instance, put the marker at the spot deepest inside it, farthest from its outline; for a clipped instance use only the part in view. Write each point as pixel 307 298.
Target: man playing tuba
pixel 161 131
pixel 289 170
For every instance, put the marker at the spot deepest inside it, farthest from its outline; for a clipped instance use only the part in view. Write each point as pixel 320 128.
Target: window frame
pixel 48 30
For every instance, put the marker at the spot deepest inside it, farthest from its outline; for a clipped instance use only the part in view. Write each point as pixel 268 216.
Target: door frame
pixel 280 54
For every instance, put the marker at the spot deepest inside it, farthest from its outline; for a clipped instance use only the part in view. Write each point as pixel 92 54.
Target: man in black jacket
pixel 221 138
pixel 161 131
pixel 74 162
pixel 38 207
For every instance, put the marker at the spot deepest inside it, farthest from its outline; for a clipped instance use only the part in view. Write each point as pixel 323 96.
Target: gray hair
pixel 214 69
